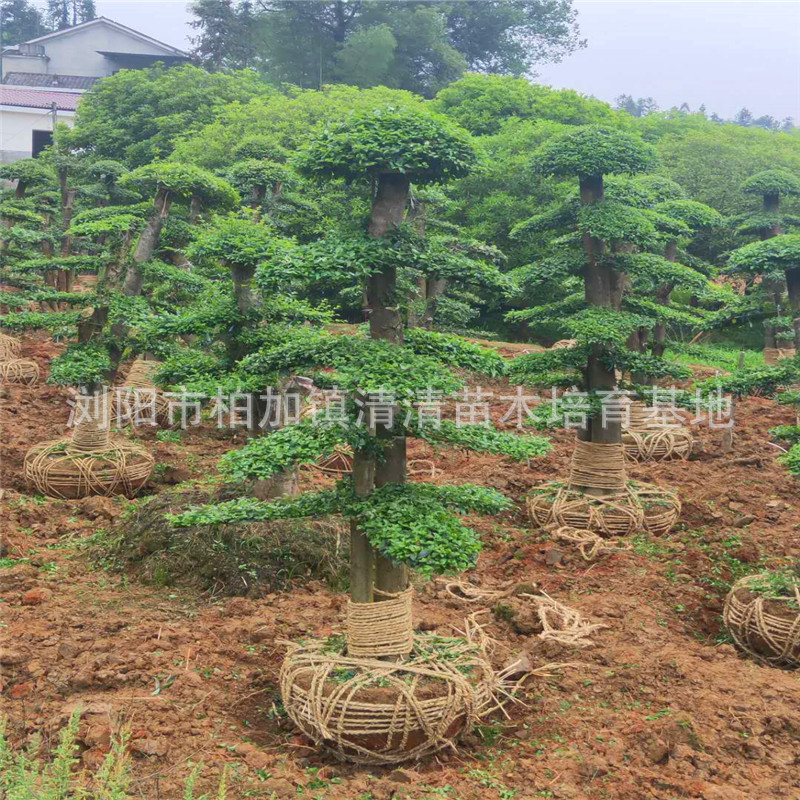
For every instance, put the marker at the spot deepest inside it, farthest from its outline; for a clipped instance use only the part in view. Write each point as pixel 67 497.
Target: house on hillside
pixel 43 79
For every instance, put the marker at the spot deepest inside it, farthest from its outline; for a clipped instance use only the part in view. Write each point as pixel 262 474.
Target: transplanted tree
pixel 166 181
pixel 27 172
pixel 394 524
pixel 775 260
pixel 609 230
pixel 771 186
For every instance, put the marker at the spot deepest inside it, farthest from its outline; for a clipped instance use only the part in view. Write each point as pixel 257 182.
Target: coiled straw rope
pixel 597 466
pixel 647 439
pixel 19 370
pixel 560 623
pixel 89 462
pixel 381 712
pixel 588 543
pixel 622 508
pixel 766 627
pixel 139 394
pixel 9 347
pixel 381 629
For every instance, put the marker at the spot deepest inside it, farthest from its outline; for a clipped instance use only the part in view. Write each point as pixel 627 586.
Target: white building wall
pixel 75 53
pixel 36 64
pixel 17 126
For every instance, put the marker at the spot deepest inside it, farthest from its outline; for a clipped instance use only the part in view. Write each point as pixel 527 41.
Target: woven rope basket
pixel 648 440
pixel 621 507
pixel 339 463
pixel 90 462
pixel 379 712
pixel 19 370
pixel 9 347
pixel 140 393
pixel 765 627
pixel 639 507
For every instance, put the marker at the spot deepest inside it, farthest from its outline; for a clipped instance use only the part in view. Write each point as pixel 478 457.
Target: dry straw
pixel 765 627
pixel 19 370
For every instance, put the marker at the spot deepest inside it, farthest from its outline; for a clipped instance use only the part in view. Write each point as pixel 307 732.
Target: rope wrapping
pixel 377 712
pixel 339 463
pixel 51 469
pixel 139 393
pixel 9 347
pixel 640 507
pixel 623 508
pixel 597 466
pixel 589 544
pixel 19 370
pixel 645 439
pixel 766 628
pixel 90 462
pixel 381 629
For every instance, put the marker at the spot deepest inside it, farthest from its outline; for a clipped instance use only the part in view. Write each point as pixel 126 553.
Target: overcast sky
pixel 722 53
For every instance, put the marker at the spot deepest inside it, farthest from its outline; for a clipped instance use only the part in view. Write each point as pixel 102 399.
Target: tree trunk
pixel 385 323
pixel 773 287
pixel 195 207
pixel 663 298
pixel 793 287
pixel 416 316
pixel 602 288
pixel 362 556
pixel 435 289
pixel 148 242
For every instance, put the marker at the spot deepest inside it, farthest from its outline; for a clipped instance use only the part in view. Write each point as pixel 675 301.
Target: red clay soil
pixel 657 708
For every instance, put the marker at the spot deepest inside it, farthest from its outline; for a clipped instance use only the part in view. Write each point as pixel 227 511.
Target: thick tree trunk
pixel 362 556
pixel 793 287
pixel 435 289
pixel 246 301
pixel 773 287
pixel 195 208
pixel 663 298
pixel 148 242
pixel 602 287
pixel 385 323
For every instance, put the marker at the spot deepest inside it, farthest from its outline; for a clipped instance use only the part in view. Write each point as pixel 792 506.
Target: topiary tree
pixel 607 228
pixel 27 172
pixel 775 259
pixel 772 186
pixel 394 524
pixel 165 181
pixel 391 147
pixel 601 257
pixel 695 217
pixel 253 177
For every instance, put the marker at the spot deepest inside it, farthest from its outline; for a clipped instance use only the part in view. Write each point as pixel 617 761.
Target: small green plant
pixel 169 436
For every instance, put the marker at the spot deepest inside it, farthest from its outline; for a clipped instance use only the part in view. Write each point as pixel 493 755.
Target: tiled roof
pixel 37 98
pixel 79 82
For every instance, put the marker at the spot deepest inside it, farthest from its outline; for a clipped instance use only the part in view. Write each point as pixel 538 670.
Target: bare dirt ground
pixel 659 707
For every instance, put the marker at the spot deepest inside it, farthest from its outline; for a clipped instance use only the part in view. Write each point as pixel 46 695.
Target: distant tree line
pixel 642 106
pixel 417 46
